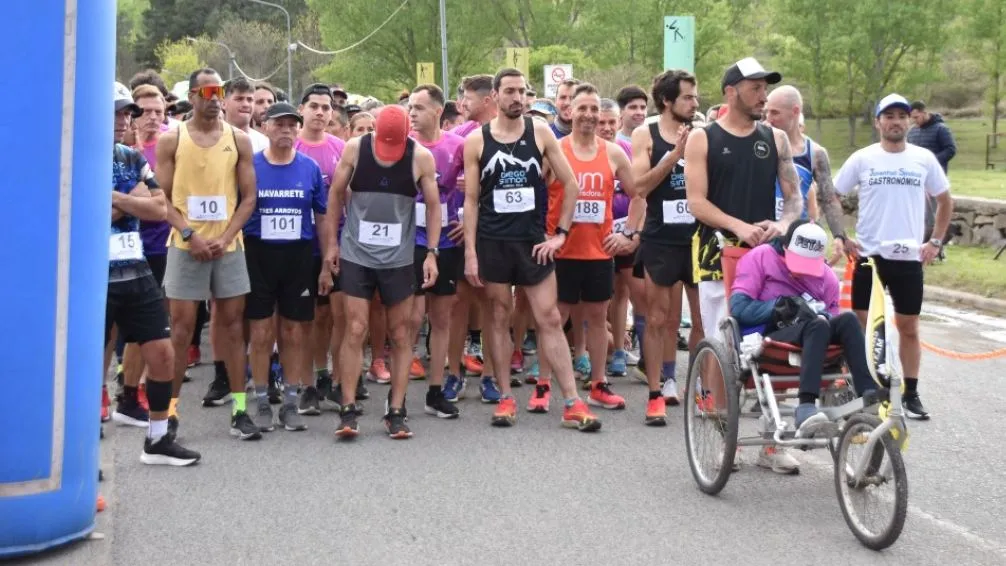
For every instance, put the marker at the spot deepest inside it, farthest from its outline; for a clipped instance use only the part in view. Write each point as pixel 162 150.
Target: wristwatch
pixel 629 233
pixel 434 251
pixel 187 234
pixel 936 242
pixel 561 230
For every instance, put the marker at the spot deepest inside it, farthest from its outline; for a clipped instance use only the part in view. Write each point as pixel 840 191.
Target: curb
pixel 968 299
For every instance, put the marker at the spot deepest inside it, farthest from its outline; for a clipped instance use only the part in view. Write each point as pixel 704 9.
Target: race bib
pixel 207 209
pixel 618 225
pixel 510 201
pixel 778 208
pixel 125 246
pixel 900 250
pixel 421 214
pixel 381 233
pixel 589 211
pixel 280 227
pixel 677 212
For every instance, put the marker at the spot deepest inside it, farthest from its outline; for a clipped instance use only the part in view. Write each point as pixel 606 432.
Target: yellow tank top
pixel 205 188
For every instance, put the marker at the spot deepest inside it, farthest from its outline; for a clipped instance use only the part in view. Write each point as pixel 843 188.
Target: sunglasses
pixel 209 92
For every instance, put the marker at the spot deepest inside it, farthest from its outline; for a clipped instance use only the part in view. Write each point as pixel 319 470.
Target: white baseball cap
pixel 805 249
pixel 893 101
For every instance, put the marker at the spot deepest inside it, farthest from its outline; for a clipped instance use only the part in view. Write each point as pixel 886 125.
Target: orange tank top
pixel 592 215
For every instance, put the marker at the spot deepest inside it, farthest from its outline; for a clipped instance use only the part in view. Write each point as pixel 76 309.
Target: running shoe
pixel 290 417
pixel 243 427
pixel 506 413
pixel 416 370
pixel 438 406
pixel 779 460
pixel 530 346
pixel 617 366
pixel 475 350
pixel 631 359
pixel 105 404
pixel 378 372
pixel 348 426
pixel 532 373
pixel 263 417
pixel 472 365
pixel 192 356
pixel 579 417
pixel 309 402
pixel 394 423
pixel 913 407
pixel 601 395
pixel 454 388
pixel 361 390
pixel 218 394
pixel 669 389
pixel 682 343
pixel 656 412
pixel 129 412
pixel 538 403
pixel 167 452
pixel 517 362
pixel 490 392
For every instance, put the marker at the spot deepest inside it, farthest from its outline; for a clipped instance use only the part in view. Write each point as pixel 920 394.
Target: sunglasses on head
pixel 209 92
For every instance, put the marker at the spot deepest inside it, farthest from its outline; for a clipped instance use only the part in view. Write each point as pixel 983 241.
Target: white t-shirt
pixel 258 140
pixel 892 192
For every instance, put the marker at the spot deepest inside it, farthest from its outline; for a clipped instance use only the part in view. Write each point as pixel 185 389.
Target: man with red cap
pixel 384 170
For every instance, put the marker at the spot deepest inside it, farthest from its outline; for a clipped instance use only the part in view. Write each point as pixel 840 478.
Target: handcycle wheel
pixel 711 413
pixel 886 468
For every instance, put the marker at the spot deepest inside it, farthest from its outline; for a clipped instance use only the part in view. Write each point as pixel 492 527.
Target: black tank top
pixel 742 176
pixel 514 199
pixel 668 218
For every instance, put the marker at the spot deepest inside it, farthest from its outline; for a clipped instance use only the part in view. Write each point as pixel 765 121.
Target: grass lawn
pixel 968 175
pixel 970 269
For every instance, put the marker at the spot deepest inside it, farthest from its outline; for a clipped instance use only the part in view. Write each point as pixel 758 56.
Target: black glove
pixel 789 311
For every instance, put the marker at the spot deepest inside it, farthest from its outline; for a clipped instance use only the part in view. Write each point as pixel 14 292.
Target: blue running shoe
pixel 530 346
pixel 453 386
pixel 490 392
pixel 617 367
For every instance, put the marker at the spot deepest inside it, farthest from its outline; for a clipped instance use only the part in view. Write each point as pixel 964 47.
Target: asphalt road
pixel 461 492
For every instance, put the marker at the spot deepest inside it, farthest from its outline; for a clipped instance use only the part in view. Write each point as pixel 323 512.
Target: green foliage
pixel 557 55
pixel 179 58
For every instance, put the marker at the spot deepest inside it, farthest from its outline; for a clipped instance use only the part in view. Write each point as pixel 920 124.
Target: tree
pixel 986 26
pixel 179 58
pixel 557 55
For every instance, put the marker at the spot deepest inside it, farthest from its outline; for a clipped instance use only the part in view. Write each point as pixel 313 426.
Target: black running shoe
pixel 243 427
pixel 128 411
pixel 218 394
pixel 310 402
pixel 361 390
pixel 394 423
pixel 348 427
pixel 913 407
pixel 682 343
pixel 167 452
pixel 437 405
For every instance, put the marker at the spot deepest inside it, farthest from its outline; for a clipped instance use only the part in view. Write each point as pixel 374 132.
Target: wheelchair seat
pixel 782 359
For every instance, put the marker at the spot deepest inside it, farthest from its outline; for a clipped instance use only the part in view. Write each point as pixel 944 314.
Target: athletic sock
pixel 239 403
pixel 261 392
pixel 911 385
pixel 219 370
pixel 157 429
pixel 655 394
pixel 130 392
pixel 639 324
pixel 571 401
pixel 435 390
pixel 667 370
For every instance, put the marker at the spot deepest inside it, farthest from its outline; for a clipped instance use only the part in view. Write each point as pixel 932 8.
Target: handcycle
pixel 865 435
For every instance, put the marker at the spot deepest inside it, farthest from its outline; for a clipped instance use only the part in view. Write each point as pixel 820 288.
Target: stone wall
pixel 975 221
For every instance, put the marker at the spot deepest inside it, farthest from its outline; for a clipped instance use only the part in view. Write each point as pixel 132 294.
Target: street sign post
pixel 424 73
pixel 679 43
pixel 554 75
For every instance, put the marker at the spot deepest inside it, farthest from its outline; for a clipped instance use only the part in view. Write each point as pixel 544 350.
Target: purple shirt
pixel 762 275
pixel 627 146
pixel 448 153
pixel 468 127
pixel 326 154
pixel 153 234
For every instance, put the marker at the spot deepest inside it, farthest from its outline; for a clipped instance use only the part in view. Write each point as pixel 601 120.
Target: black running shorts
pixel 902 279
pixel 510 262
pixel 281 275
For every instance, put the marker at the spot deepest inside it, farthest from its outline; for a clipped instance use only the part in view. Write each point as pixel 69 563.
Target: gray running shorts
pixel 187 279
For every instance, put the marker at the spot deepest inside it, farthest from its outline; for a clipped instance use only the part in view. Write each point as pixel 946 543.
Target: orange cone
pixel 101 504
pixel 845 289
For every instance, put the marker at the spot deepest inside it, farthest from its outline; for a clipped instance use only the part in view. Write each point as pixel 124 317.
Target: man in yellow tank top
pixel 205 168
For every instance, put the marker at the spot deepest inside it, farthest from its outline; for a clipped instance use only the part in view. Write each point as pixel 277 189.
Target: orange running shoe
pixel 378 372
pixel 472 365
pixel 416 370
pixel 579 417
pixel 105 403
pixel 141 396
pixel 193 356
pixel 656 412
pixel 601 395
pixel 538 403
pixel 506 412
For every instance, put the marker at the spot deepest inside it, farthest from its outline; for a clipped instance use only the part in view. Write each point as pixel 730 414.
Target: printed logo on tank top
pixel 513 171
pixel 761 149
pixel 591 184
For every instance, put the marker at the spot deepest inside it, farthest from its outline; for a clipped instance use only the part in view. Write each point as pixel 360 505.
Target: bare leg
pixel 497 333
pixel 262 338
pixel 183 321
pixel 401 350
pixel 440 318
pixel 658 299
pixel 321 337
pixel 357 312
pixel 228 318
pixel 597 337
pixel 552 343
pixel 295 354
pixel 458 330
pixel 337 308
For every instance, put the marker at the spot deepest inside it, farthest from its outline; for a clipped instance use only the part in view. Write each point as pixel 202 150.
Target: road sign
pixel 679 43
pixel 424 73
pixel 519 58
pixel 554 75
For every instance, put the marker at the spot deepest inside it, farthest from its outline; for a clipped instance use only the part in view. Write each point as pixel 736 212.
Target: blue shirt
pixel 129 169
pixel 288 197
pixel 804 164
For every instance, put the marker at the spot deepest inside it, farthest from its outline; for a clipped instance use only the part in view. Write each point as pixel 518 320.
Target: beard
pixel 514 112
pixel 687 120
pixel 894 136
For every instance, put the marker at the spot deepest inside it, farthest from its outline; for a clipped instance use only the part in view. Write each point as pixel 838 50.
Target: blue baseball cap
pixel 544 107
pixel 893 101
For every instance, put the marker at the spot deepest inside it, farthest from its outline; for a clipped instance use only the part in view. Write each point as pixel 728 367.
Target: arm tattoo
pixel 827 195
pixel 792 204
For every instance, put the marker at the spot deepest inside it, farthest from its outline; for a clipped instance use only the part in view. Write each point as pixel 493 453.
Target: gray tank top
pixel 380 231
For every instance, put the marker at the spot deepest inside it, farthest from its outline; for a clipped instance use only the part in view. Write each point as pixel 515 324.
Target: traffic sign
pixel 554 75
pixel 424 73
pixel 679 43
pixel 519 58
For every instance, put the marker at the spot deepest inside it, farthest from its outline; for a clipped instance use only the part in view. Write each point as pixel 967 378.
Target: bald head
pixel 784 108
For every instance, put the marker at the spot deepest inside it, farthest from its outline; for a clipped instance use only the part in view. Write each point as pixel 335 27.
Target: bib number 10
pixel 207 209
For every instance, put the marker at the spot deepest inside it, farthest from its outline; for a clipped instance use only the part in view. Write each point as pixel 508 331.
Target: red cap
pixel 391 132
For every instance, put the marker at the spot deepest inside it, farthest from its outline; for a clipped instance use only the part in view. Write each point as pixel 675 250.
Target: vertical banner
pixel 424 73
pixel 519 58
pixel 57 266
pixel 679 43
